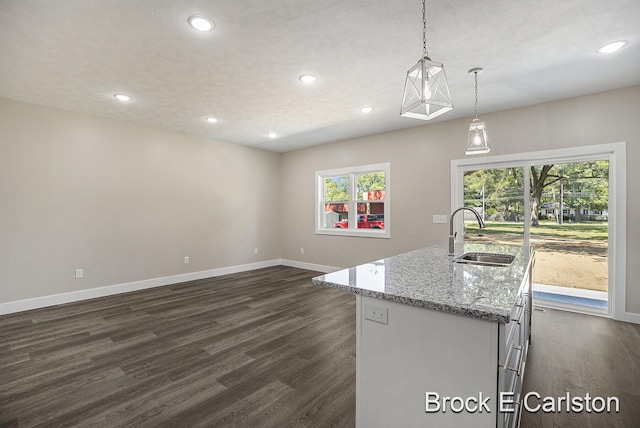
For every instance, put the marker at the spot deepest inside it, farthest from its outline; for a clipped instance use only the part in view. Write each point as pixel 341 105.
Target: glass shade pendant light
pixel 426 93
pixel 477 142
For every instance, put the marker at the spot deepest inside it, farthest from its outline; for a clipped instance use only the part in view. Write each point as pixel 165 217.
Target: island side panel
pixel 419 351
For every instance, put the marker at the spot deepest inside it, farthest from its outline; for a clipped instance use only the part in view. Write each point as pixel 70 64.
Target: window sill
pixel 362 233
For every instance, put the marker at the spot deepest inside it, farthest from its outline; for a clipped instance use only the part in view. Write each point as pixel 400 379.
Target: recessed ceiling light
pixel 201 23
pixel 612 47
pixel 272 135
pixel 122 97
pixel 308 78
pixel 211 119
pixel 366 109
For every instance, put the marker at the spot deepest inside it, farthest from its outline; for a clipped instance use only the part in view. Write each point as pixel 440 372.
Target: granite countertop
pixel 428 278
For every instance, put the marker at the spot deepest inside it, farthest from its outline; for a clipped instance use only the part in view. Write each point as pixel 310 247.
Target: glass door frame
pixel 615 153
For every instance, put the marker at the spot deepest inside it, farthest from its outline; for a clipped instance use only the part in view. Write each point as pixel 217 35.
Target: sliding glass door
pixel 560 207
pixel 569 231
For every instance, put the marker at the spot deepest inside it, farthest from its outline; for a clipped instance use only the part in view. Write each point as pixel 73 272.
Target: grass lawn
pixel 588 231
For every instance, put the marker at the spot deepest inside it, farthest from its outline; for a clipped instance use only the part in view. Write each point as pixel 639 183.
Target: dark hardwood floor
pixel 583 354
pixel 264 348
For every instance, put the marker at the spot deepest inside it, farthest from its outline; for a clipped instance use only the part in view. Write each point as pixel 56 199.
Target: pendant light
pixel 426 93
pixel 477 142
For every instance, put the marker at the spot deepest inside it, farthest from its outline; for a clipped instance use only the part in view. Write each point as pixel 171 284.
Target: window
pixel 353 201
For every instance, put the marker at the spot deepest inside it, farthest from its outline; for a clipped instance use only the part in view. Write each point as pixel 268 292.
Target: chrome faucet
pixel 452 236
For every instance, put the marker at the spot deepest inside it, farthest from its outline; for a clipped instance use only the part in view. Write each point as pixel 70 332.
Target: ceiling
pixel 76 54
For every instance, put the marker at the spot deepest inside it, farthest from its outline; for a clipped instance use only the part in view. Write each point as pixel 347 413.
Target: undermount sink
pixel 485 259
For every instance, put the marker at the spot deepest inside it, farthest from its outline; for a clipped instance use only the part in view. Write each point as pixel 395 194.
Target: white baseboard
pixel 631 317
pixel 309 266
pixel 92 293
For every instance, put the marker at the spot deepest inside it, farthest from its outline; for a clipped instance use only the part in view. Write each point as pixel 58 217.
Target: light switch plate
pixel 376 313
pixel 440 218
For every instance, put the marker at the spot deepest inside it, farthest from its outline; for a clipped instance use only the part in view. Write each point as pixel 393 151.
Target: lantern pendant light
pixel 426 93
pixel 477 142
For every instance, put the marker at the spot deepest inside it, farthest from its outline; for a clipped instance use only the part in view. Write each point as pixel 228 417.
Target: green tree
pixel 369 182
pixel 336 189
pixel 540 178
pixel 499 189
pixel 579 184
pixel 584 185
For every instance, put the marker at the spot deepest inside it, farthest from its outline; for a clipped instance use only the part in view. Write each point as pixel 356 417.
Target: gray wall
pixel 124 202
pixel 420 172
pixel 127 202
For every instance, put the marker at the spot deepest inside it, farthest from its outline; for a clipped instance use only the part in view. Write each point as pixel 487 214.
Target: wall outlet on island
pixel 255 251
pixel 302 251
pixel 376 313
pixel 440 218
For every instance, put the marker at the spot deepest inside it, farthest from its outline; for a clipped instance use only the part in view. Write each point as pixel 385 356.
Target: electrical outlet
pixel 301 250
pixel 255 251
pixel 440 218
pixel 376 313
pixel 79 273
pixel 186 260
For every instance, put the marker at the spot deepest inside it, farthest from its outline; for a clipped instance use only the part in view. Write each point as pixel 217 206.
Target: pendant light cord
pixel 424 30
pixel 476 74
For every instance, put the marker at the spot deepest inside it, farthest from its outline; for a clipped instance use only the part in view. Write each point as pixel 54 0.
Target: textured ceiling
pixel 75 54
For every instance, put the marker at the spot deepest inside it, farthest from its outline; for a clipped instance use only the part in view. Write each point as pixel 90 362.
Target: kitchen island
pixel 438 343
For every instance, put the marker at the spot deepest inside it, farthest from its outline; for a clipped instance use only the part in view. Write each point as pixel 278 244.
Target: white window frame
pixel 352 229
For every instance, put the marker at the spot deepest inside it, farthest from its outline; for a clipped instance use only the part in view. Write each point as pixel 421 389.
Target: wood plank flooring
pixel 582 354
pixel 264 348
